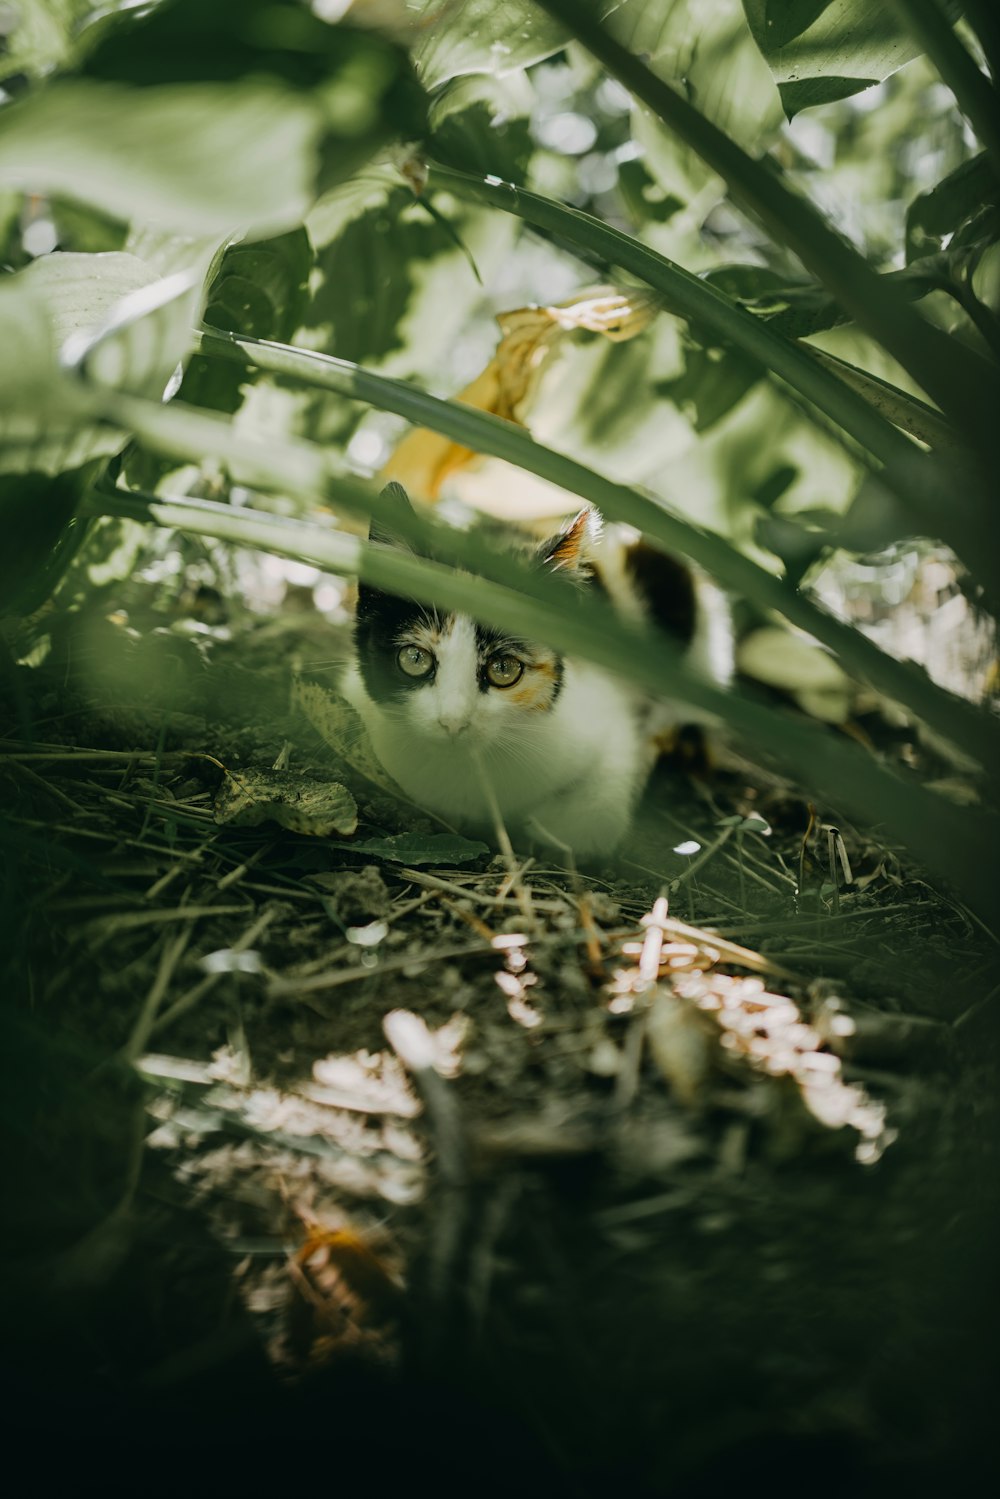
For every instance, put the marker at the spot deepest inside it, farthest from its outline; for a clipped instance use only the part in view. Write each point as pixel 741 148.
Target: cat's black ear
pixel 573 548
pixel 397 502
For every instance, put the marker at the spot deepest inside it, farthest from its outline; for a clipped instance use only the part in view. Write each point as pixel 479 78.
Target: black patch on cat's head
pixel 381 622
pixel 666 585
pixel 381 619
pixel 397 501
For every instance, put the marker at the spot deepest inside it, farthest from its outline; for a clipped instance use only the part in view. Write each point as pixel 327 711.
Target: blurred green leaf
pixel 579 407
pixel 194 158
pixel 211 119
pixel 769 491
pixel 40 427
pixel 943 209
pixel 482 122
pixel 393 285
pixel 707 52
pixel 821 50
pixel 38 34
pixel 260 290
pixel 482 36
pixel 797 545
pixel 711 384
pixel 39 541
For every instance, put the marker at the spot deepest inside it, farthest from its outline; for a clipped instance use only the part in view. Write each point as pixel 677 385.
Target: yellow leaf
pixel 507 386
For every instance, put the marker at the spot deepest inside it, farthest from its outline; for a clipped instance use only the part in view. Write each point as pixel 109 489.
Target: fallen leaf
pixel 305 805
pixel 341 728
pixel 423 848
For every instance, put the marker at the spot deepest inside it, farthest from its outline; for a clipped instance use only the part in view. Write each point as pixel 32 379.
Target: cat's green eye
pixel 414 661
pixel 504 671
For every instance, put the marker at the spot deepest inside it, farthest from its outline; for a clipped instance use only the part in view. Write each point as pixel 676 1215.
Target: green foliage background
pixel 825 253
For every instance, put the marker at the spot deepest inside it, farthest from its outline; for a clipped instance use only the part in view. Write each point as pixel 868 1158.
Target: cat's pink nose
pixel 452 723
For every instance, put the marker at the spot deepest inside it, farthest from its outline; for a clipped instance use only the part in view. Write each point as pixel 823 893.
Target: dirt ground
pixel 423 1164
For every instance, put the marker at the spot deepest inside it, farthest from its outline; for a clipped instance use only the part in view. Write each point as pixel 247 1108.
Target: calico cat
pixel 566 747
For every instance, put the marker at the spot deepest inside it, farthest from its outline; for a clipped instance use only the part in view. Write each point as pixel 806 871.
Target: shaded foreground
pixel 566 1221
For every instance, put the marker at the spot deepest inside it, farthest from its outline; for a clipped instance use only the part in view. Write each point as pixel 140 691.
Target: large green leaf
pixel 111 314
pixel 196 158
pixel 709 53
pixel 259 290
pixel 821 50
pixel 211 119
pixel 482 36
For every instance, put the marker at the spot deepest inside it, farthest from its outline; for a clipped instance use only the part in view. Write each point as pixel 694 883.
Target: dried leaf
pixel 680 1046
pixel 342 729
pixel 319 808
pixel 507 386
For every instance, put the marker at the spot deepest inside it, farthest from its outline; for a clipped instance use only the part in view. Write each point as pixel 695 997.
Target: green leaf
pixel 483 123
pixel 482 36
pixel 708 52
pixel 39 542
pixel 945 208
pixel 394 285
pixel 821 50
pixel 259 290
pixel 422 848
pixel 712 383
pixel 201 159
pixel 41 429
pixel 42 35
pixel 110 315
pixel 797 545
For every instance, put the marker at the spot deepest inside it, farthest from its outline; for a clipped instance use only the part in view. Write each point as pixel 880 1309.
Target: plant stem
pixel 975 95
pixel 974 731
pixel 897 406
pixel 961 383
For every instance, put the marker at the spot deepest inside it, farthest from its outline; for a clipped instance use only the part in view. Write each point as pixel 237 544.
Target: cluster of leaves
pixel 364 182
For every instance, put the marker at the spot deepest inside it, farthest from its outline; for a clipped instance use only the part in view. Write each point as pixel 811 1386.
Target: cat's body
pixel 564 746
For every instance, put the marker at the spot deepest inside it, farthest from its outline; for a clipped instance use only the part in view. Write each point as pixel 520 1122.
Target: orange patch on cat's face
pixel 535 692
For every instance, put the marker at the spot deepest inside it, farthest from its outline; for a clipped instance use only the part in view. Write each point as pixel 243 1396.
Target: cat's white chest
pixel 571 773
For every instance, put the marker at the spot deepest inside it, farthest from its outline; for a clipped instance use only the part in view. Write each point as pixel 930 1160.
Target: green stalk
pixel 976 97
pixel 960 382
pixel 975 732
pixel 963 846
pixel 897 406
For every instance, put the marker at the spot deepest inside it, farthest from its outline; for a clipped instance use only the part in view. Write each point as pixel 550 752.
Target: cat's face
pixel 449 679
pixel 453 680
